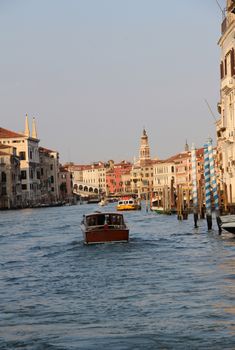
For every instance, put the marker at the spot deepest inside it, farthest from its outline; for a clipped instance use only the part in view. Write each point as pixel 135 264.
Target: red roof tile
pixel 46 150
pixel 8 134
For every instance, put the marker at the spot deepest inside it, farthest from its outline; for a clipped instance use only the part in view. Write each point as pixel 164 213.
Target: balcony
pixel 227 84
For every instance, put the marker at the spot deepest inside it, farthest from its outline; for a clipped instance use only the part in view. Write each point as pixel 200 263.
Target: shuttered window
pixel 221 70
pixel 232 62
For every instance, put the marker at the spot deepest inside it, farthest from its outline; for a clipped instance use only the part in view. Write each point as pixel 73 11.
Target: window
pixel 24 187
pixel 23 175
pixel 52 179
pixel 4 177
pixel 4 191
pixel 22 156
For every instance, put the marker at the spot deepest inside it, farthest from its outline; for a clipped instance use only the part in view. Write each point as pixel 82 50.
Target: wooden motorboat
pixel 104 227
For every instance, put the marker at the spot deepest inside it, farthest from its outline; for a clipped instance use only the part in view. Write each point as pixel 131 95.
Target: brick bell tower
pixel 144 152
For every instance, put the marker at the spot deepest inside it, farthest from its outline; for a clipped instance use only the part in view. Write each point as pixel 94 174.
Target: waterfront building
pixel 79 187
pixel 27 150
pixel 126 182
pixel 65 185
pixel 118 178
pixel 49 175
pixel 76 170
pixel 142 170
pixel 88 180
pixel 94 175
pixel 176 172
pixel 10 182
pixel 225 126
pixel 163 176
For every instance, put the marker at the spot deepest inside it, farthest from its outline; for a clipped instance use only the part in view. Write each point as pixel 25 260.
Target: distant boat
pixel 128 203
pixel 104 227
pixel 228 223
pixel 102 202
pixel 158 208
pixel 93 200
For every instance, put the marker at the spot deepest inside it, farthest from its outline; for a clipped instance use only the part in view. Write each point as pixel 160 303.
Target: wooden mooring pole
pixel 207 187
pixel 179 202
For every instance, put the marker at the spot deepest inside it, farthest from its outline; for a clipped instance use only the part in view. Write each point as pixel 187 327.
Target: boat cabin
pixel 101 219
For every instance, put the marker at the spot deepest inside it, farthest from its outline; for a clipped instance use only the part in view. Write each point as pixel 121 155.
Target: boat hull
pixel 105 235
pixel 228 223
pixel 230 227
pixel 160 210
pixel 128 207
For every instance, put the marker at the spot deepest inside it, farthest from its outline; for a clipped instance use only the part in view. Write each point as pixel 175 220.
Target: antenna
pixel 217 2
pixel 210 109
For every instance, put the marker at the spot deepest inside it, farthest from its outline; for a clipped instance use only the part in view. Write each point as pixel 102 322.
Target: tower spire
pixel 26 129
pixel 144 152
pixel 186 147
pixel 34 129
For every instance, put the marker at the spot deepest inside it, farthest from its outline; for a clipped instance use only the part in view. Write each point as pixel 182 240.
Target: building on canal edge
pixel 27 151
pixel 29 174
pixel 10 182
pixel 225 126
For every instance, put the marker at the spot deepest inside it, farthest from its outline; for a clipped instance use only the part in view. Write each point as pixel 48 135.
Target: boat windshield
pixel 114 219
pixel 102 219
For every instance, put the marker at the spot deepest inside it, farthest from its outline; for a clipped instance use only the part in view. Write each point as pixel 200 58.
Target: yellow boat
pixel 128 203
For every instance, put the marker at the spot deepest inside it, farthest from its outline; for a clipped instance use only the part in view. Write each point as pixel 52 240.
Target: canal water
pixel 170 287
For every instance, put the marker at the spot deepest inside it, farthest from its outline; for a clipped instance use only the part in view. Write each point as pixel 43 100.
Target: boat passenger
pixel 101 220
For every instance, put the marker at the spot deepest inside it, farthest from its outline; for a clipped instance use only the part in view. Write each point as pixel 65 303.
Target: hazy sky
pixel 95 72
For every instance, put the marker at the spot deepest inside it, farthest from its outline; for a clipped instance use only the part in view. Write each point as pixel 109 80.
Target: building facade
pixel 225 126
pixel 28 153
pixel 142 170
pixel 49 175
pixel 38 181
pixel 118 178
pixel 66 185
pixel 10 181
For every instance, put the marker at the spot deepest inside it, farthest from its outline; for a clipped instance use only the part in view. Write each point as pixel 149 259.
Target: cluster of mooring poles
pixel 210 185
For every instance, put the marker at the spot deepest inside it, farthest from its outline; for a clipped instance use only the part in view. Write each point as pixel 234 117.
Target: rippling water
pixel 170 287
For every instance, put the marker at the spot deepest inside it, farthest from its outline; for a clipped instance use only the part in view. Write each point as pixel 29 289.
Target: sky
pixel 94 73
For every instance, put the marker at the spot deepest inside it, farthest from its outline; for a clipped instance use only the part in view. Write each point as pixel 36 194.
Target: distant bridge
pixel 85 189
